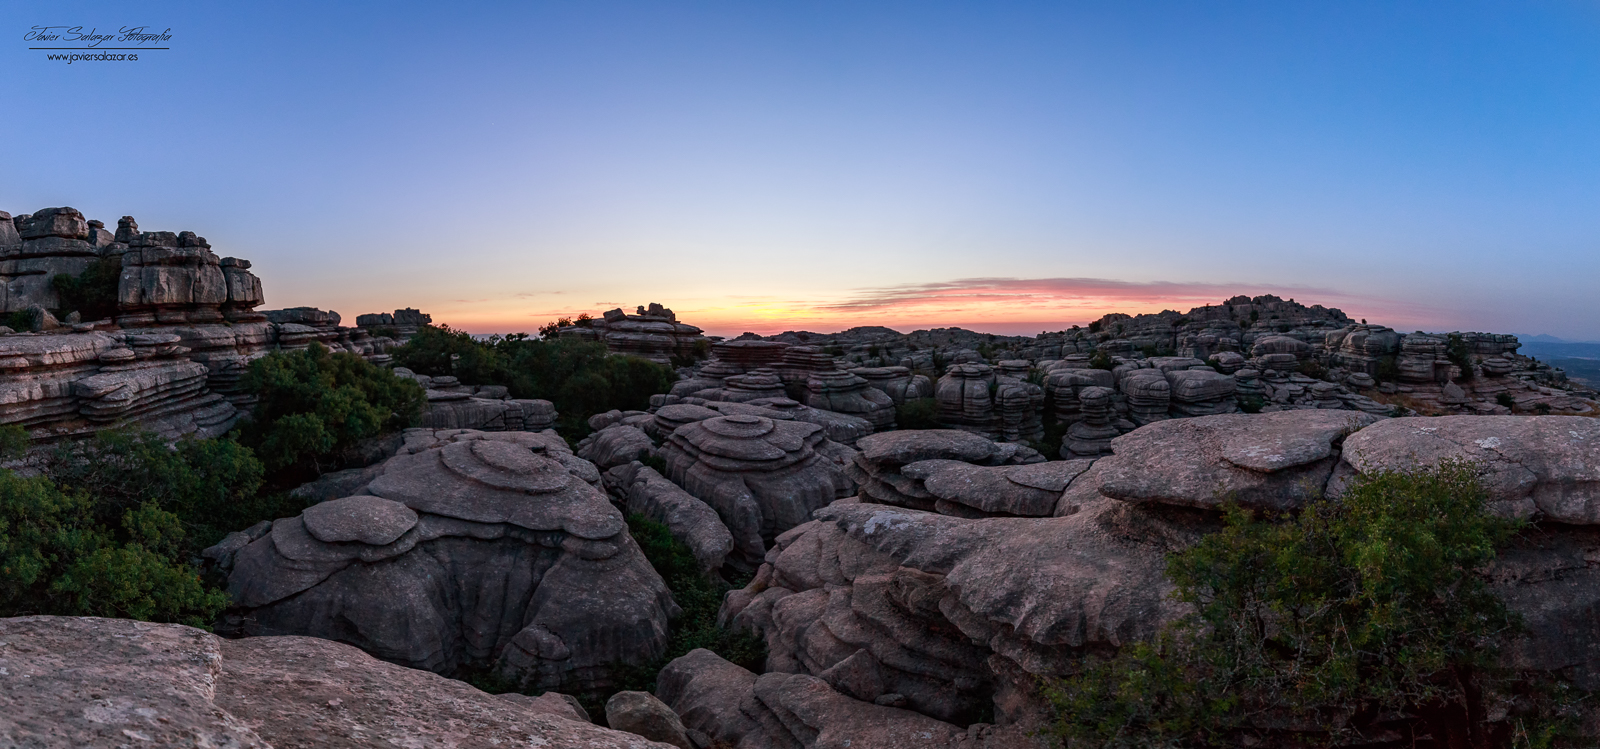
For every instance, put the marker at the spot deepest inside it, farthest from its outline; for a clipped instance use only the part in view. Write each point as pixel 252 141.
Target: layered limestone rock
pixel 897 382
pixel 34 248
pixel 90 682
pixel 76 384
pixel 1275 461
pixel 763 476
pixel 489 408
pixel 1091 434
pixel 846 393
pixel 399 325
pixel 1063 383
pixel 469 549
pixel 172 279
pixel 652 333
pixel 945 618
pixel 880 469
pixel 894 617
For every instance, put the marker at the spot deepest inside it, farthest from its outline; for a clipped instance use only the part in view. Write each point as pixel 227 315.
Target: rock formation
pixel 886 622
pixel 763 476
pixel 653 333
pixel 89 682
pixel 468 549
pixel 185 329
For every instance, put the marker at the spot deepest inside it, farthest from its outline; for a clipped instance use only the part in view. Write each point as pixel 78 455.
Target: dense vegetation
pixel 110 524
pixel 580 377
pixel 92 293
pixel 314 404
pixel 917 413
pixel 1349 619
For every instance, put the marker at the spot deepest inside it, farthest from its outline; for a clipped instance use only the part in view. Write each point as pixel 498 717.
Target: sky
pixel 1009 167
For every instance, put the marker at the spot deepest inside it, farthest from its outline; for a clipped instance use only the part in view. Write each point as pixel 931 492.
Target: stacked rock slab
pixel 34 248
pixel 763 476
pixel 1091 435
pixel 653 333
pixel 401 324
pixel 93 682
pixel 1063 383
pixel 170 279
pixel 846 393
pixel 76 384
pixel 896 382
pixel 470 549
pixel 965 401
pixel 879 472
pixel 1202 392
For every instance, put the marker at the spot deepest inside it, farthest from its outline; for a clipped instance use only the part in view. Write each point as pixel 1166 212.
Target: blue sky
pixel 818 165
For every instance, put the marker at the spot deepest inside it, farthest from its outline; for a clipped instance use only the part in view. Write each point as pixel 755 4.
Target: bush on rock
pixel 1352 619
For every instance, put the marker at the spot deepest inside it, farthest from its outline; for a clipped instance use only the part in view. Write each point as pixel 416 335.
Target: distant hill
pixel 1545 350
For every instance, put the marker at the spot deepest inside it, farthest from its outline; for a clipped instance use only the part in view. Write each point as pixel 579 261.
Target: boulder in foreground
pixel 91 682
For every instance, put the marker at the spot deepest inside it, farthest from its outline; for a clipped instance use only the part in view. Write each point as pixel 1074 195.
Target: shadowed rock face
pixel 763 476
pixel 90 682
pixel 478 549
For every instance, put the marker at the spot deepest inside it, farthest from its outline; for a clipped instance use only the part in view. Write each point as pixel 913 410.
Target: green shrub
pixel 313 404
pixel 55 558
pixel 1102 360
pixel 1506 400
pixel 1252 404
pixel 580 377
pixel 210 486
pixel 1341 617
pixel 1388 369
pixel 917 413
pixel 92 293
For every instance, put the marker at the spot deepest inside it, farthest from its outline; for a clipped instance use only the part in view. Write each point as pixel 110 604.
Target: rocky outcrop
pixel 1274 461
pixel 952 619
pixel 399 325
pixel 35 248
pixel 899 383
pixel 652 333
pixel 172 280
pixel 892 468
pixel 763 476
pixel 469 549
pixel 90 682
pixel 642 714
pixel 76 384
